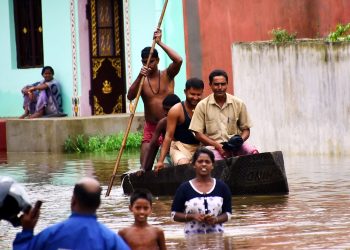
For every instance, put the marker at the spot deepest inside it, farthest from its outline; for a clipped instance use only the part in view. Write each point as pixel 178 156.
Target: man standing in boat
pixel 221 121
pixel 157 85
pixel 181 141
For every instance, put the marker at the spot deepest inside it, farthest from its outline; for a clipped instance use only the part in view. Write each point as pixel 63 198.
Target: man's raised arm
pixel 174 68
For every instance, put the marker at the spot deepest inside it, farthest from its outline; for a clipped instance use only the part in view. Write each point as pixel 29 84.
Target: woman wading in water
pixel 203 203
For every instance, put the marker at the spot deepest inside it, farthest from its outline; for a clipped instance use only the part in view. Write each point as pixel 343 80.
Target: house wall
pixel 212 26
pixel 74 75
pixel 57 53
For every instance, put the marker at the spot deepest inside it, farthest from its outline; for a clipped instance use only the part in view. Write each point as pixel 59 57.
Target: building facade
pixel 93 45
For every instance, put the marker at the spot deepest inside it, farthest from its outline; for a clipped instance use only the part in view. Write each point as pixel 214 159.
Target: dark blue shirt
pixel 77 232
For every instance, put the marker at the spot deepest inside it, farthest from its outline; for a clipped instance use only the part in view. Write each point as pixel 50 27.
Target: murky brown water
pixel 315 215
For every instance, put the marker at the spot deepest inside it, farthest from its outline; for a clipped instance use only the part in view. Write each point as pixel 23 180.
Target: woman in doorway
pixel 203 203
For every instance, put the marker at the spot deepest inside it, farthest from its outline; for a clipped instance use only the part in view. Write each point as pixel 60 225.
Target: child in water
pixel 141 235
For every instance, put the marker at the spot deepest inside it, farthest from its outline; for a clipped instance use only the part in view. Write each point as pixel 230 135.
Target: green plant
pixel 100 143
pixel 80 143
pixel 94 144
pixel 70 145
pixel 134 140
pixel 282 36
pixel 110 143
pixel 341 33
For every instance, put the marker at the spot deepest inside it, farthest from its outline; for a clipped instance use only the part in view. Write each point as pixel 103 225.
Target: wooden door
pixel 108 90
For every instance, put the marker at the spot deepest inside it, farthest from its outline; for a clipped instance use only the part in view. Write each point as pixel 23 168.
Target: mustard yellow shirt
pixel 220 123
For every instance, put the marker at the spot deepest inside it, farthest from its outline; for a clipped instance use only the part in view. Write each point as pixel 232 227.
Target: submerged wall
pixel 49 134
pixel 298 95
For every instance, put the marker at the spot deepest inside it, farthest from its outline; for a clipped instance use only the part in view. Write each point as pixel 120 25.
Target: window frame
pixel 28 30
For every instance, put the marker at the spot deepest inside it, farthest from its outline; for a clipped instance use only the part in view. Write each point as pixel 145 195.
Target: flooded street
pixel 315 215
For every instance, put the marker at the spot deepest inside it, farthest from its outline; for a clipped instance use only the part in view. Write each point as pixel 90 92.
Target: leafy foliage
pixel 99 143
pixel 341 33
pixel 282 36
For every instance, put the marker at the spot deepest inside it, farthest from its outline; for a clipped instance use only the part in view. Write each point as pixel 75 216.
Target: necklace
pixel 150 86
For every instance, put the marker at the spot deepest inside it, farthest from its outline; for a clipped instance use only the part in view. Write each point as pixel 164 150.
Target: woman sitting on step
pixel 43 98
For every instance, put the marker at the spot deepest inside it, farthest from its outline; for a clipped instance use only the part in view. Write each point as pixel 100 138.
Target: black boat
pixel 258 174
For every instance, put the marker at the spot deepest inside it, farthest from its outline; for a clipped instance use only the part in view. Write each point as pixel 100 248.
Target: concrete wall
pixel 297 94
pixel 211 26
pixel 48 135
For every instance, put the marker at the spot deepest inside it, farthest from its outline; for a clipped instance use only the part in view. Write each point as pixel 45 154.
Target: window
pixel 29 39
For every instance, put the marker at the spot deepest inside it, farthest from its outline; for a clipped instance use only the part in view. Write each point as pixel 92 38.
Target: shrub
pixel 100 143
pixel 341 33
pixel 282 36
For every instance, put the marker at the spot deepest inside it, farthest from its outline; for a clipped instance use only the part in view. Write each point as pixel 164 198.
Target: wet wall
pixel 298 95
pixel 211 26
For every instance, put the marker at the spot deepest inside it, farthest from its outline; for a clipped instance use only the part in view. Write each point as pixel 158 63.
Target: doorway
pixel 107 67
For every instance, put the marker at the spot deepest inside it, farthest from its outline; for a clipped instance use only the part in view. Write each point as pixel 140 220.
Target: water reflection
pixel 313 216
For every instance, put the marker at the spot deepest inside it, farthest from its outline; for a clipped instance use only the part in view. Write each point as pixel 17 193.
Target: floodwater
pixel 315 215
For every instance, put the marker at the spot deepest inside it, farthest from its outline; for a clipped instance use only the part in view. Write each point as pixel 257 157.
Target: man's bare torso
pixel 154 90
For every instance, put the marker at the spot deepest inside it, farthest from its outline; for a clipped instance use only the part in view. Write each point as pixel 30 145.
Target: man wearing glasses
pixel 221 121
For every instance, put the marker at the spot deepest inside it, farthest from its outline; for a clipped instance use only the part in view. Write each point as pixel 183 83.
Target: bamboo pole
pixel 133 109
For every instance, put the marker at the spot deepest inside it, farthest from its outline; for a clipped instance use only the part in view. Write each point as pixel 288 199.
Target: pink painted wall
pixel 84 59
pixel 223 22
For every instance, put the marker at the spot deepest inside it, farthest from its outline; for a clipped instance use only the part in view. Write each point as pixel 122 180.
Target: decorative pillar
pixel 75 97
pixel 127 44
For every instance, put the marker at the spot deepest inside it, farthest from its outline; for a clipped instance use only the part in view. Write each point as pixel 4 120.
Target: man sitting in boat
pixel 221 121
pixel 178 138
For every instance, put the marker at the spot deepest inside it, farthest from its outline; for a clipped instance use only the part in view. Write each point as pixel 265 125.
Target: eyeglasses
pixel 219 83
